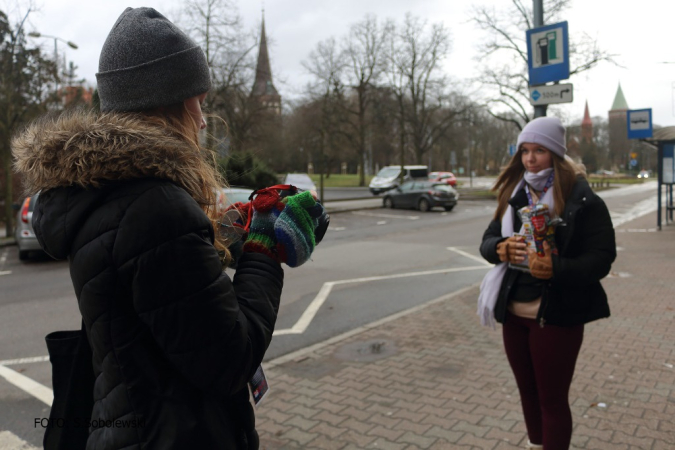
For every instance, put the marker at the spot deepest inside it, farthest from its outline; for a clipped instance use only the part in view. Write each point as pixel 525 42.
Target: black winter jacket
pixel 174 340
pixel 586 251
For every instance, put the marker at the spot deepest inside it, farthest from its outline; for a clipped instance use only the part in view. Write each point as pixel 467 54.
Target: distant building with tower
pixel 619 145
pixel 263 90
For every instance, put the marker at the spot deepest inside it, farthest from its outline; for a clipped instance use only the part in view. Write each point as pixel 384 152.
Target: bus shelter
pixel 664 140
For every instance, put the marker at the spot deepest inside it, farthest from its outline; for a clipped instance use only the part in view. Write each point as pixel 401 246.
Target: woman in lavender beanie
pixel 543 299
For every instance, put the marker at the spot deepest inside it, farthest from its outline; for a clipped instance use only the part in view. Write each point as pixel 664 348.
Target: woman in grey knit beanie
pixel 544 299
pixel 127 196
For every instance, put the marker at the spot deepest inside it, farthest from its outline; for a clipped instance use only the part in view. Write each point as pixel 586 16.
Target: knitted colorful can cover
pixel 294 229
pixel 267 207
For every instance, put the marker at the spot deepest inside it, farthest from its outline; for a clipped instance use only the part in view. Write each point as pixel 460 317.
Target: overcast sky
pixel 640 33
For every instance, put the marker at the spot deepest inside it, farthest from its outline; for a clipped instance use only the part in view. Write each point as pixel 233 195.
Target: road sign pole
pixel 538 10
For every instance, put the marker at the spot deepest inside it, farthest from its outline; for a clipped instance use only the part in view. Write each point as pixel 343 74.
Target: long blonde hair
pixel 178 120
pixel 566 172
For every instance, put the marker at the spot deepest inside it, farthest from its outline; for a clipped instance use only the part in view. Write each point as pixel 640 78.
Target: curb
pixel 4 242
pixel 303 352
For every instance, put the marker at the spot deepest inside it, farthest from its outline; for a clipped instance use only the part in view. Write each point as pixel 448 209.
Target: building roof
pixel 619 101
pixel 662 134
pixel 587 117
pixel 263 75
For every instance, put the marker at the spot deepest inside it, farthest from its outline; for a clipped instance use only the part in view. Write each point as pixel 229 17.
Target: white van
pixel 389 177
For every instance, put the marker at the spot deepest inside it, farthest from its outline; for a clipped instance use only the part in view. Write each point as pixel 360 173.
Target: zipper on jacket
pixel 544 305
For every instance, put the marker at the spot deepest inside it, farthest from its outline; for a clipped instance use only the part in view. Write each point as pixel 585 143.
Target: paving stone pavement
pixel 434 379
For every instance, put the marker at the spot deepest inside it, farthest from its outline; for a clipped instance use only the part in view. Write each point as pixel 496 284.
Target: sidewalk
pixel 433 379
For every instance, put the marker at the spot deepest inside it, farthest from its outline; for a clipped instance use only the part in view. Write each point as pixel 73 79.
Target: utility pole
pixel 538 21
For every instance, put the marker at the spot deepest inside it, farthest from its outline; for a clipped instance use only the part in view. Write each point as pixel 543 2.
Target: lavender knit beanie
pixel 147 62
pixel 547 132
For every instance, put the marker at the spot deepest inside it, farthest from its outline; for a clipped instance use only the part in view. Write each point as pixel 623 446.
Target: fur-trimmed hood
pixel 86 149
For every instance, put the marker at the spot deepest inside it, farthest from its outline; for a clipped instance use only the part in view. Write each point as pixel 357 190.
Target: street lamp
pixel 70 44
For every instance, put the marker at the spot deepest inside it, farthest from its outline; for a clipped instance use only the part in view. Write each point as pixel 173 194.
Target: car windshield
pixel 300 180
pixel 237 196
pixel 418 173
pixel 389 172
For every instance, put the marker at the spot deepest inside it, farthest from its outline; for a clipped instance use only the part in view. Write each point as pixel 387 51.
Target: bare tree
pixel 503 55
pixel 415 72
pixel 327 65
pixel 364 59
pixel 25 76
pixel 217 27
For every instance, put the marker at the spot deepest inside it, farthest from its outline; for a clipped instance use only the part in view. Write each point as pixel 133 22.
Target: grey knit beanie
pixel 547 132
pixel 147 62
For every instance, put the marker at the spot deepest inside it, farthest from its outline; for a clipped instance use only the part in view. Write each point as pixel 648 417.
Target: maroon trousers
pixel 543 360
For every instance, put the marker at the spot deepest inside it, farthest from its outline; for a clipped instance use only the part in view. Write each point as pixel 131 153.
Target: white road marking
pixel 10 441
pixel 387 216
pixel 336 228
pixel 32 359
pixel 307 317
pixel 640 209
pixel 341 337
pixel 37 390
pixel 381 222
pixel 6 272
pixel 470 256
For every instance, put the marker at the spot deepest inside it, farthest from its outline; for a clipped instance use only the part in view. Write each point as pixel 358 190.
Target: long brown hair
pixel 177 119
pixel 566 172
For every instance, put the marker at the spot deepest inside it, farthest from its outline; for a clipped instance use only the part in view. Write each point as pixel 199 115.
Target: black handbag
pixel 73 385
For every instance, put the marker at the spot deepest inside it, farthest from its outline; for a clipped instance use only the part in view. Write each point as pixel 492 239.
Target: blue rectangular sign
pixel 639 123
pixel 548 53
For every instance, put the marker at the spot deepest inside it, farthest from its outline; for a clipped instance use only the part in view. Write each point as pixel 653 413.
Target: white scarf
pixel 492 282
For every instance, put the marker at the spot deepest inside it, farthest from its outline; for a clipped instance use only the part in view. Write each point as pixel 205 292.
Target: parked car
pixel 24 234
pixel 422 195
pixel 644 174
pixel 232 195
pixel 443 177
pixel 388 177
pixel 301 181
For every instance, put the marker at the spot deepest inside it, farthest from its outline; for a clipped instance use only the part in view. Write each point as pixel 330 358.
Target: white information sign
pixel 548 45
pixel 554 93
pixel 639 120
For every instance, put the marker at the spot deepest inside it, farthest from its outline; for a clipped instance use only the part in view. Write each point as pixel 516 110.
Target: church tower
pixel 263 89
pixel 587 126
pixel 619 146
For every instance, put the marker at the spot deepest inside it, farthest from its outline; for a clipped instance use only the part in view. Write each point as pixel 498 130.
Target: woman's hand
pixel 541 266
pixel 512 249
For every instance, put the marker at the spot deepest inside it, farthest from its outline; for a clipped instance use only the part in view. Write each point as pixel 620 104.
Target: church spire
pixel 587 126
pixel 263 75
pixel 620 103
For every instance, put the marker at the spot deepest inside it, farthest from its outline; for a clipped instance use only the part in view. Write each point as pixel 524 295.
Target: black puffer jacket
pixel 174 340
pixel 587 249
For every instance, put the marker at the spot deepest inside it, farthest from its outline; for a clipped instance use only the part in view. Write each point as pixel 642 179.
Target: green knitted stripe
pixel 300 229
pixel 297 204
pixel 261 239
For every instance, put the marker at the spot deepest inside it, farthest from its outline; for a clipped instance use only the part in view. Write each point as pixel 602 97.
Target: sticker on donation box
pixel 258 385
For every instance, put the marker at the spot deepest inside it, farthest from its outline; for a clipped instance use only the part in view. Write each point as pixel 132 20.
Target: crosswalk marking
pixel 10 441
pixel 28 385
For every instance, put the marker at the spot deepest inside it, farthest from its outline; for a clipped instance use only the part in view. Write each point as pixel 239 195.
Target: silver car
pixel 24 234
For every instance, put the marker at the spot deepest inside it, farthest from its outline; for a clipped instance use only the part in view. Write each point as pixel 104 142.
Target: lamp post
pixel 70 44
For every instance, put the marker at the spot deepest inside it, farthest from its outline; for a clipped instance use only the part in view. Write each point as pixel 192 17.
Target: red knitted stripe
pixel 251 246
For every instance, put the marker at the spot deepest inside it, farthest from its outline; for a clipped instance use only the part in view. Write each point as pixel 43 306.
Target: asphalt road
pixel 371 264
